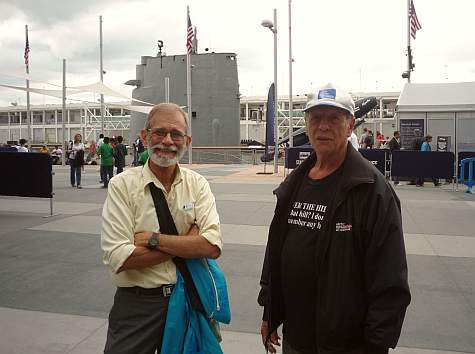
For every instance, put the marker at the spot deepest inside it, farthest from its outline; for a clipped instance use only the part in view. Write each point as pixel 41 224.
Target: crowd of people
pixel 110 151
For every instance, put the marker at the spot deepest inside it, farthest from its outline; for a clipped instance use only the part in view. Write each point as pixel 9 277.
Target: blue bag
pixel 187 331
pixel 212 289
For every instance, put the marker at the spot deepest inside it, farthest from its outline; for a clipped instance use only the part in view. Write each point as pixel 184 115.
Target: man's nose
pixel 324 124
pixel 167 140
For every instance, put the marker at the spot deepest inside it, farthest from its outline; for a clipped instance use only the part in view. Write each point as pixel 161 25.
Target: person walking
pixel 335 269
pixel 76 160
pixel 106 152
pixel 395 144
pixel 120 151
pixel 362 138
pixel 100 141
pixel 425 146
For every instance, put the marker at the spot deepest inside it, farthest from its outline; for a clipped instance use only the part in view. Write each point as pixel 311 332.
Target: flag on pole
pixel 27 51
pixel 189 36
pixel 415 25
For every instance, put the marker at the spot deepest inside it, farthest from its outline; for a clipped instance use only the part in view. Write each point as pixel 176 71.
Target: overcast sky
pixel 359 45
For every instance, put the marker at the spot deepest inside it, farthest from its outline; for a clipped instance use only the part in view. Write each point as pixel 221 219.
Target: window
pixel 23 118
pixel 38 135
pixel 15 118
pixel 38 118
pixel 4 118
pixel 50 135
pixel 115 111
pixel 49 117
pixel 75 117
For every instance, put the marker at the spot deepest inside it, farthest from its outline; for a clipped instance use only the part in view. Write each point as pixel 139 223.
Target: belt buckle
pixel 167 290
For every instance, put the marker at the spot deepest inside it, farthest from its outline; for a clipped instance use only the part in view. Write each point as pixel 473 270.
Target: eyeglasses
pixel 160 134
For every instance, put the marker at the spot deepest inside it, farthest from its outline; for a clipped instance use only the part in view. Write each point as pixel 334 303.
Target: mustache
pixel 164 148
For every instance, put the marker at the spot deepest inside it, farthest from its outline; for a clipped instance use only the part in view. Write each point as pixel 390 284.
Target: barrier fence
pixel 26 174
pixel 427 164
pixel 398 163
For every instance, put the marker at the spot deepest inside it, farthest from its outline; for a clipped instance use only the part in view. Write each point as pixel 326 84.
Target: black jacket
pixel 362 288
pixel 394 144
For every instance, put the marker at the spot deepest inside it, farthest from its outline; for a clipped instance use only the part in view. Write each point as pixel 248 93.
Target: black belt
pixel 164 290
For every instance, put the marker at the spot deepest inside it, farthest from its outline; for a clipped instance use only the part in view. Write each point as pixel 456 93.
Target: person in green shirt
pixel 106 152
pixel 119 155
pixel 143 157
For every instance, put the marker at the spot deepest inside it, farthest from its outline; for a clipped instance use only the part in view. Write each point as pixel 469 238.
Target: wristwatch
pixel 153 241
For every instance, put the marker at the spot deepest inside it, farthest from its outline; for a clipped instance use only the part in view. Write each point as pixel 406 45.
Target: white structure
pixel 253 114
pixel 47 122
pixel 441 109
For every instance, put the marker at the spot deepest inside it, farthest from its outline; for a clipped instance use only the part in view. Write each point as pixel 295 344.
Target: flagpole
pixel 63 117
pixel 188 91
pixel 101 73
pixel 28 109
pixel 409 59
pixel 276 105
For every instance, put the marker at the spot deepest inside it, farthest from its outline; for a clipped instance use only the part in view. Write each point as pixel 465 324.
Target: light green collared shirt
pixel 129 209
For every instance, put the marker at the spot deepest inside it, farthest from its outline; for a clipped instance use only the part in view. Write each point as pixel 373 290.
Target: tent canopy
pixel 439 97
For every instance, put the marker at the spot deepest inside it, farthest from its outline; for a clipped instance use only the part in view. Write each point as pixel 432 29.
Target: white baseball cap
pixel 333 96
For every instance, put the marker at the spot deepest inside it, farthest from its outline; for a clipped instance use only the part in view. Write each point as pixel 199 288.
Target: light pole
pixel 273 27
pixel 291 103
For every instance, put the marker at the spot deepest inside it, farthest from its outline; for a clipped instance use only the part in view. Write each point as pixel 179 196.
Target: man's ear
pixel 351 126
pixel 143 136
pixel 188 140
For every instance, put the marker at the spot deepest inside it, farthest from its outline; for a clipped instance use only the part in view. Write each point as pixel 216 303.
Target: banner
pixel 270 122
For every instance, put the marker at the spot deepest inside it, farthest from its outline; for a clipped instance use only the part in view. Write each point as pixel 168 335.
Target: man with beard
pixel 335 272
pixel 138 255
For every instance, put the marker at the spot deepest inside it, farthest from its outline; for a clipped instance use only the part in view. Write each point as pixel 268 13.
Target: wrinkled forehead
pixel 167 118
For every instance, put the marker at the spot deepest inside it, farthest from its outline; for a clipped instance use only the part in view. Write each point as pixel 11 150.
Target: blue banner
pixel 270 121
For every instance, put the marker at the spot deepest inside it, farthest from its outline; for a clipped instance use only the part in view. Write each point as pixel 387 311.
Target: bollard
pixel 468 182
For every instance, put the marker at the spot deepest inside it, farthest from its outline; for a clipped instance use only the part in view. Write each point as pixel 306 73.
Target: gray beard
pixel 164 161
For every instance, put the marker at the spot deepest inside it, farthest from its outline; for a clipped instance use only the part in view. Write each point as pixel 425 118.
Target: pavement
pixel 55 293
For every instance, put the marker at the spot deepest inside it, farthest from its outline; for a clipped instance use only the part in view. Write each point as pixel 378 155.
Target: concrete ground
pixel 55 293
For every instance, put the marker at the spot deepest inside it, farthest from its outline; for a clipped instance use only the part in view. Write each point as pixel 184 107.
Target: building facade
pixel 46 122
pixel 253 114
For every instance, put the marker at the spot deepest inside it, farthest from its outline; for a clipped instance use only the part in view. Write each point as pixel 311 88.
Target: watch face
pixel 153 241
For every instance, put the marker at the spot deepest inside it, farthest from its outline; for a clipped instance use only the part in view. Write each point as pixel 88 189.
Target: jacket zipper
pixel 218 307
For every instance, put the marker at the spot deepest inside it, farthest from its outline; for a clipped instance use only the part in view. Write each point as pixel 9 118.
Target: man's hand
pixel 273 339
pixel 141 238
pixel 193 231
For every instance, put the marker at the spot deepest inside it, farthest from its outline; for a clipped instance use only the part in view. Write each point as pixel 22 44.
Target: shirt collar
pixel 149 177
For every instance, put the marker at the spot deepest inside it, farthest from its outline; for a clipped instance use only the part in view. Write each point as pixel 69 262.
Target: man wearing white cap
pixel 335 273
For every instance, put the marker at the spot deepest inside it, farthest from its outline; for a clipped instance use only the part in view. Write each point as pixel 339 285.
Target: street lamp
pixel 273 27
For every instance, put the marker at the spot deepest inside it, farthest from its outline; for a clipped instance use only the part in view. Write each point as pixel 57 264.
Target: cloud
pixel 360 45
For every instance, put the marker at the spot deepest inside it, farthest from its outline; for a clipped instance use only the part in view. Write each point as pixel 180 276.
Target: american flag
pixel 415 25
pixel 27 51
pixel 189 37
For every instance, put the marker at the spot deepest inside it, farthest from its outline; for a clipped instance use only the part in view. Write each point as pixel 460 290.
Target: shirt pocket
pixel 187 212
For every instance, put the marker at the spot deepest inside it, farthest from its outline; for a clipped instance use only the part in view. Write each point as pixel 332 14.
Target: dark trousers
pixel 136 323
pixel 119 169
pixel 107 173
pixel 75 174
